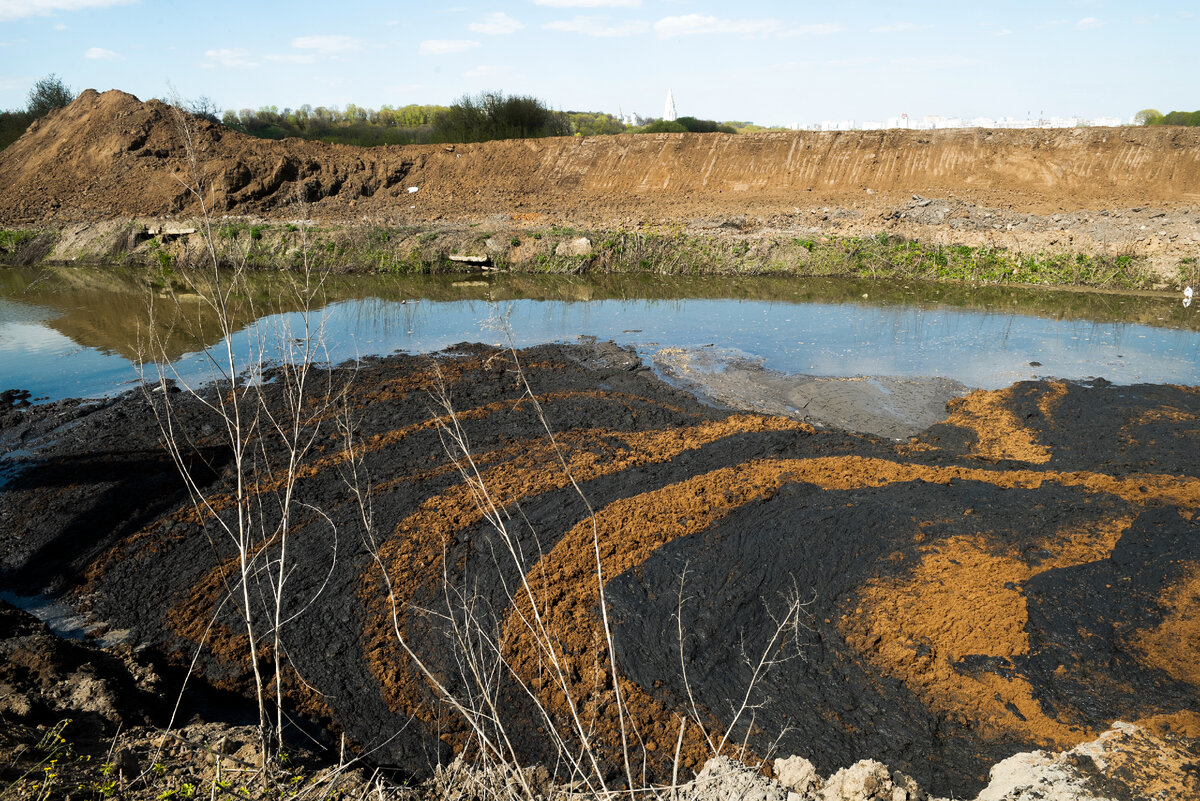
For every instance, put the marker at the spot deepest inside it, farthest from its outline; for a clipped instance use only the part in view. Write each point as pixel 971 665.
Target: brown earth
pixel 1015 577
pixel 1099 190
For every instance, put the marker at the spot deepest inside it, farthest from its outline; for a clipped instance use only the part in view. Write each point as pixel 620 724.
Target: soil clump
pixel 1016 576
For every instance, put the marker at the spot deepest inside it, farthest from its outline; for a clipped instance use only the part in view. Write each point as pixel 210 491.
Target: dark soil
pixel 1018 576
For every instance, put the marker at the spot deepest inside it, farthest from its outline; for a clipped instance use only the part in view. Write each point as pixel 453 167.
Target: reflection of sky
pixel 983 349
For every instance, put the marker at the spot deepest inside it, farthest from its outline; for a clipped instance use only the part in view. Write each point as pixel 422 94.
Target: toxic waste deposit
pixel 1018 576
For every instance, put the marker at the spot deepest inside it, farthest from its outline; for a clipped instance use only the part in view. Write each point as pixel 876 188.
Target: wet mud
pixel 1017 575
pixel 887 406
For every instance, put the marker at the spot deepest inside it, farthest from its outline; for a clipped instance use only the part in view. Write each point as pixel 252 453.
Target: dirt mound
pixel 109 155
pixel 1017 577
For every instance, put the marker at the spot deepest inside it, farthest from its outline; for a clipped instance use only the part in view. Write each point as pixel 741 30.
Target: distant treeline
pixel 488 116
pixel 1152 116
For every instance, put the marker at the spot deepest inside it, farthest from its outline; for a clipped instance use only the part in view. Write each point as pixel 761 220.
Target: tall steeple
pixel 669 111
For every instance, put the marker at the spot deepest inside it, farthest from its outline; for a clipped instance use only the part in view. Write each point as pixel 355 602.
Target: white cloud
pixel 327 43
pixel 20 9
pixel 1054 23
pixel 820 29
pixel 442 47
pixel 489 71
pixel 103 55
pixel 897 27
pixel 234 59
pixel 1147 20
pixel 1088 24
pixel 598 26
pixel 497 24
pixel 692 24
pixel 589 3
pixel 60 27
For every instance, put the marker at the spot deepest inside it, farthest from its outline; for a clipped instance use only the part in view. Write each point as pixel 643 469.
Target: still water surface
pixel 80 331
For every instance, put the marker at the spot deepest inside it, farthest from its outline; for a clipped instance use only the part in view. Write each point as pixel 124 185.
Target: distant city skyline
pixel 763 61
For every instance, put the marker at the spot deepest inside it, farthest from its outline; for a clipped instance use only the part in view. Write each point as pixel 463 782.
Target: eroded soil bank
pixel 111 177
pixel 1017 576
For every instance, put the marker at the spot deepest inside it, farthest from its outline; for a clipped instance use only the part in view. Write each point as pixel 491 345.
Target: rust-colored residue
pixel 961 599
pixel 1174 646
pixel 1155 759
pixel 414 552
pixel 999 434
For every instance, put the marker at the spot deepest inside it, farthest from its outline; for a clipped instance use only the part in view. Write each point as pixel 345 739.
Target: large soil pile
pixel 109 155
pixel 1020 575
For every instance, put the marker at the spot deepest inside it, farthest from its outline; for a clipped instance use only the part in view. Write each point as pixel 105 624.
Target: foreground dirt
pixel 1099 191
pixel 1018 576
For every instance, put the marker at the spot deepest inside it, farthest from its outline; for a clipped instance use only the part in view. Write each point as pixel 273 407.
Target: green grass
pixel 13 240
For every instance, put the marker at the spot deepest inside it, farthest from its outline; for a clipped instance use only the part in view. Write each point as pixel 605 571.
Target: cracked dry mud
pixel 1018 575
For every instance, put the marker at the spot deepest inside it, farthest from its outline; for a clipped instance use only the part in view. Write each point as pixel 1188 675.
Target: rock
pixel 724 779
pixel 576 247
pixel 92 694
pixel 868 780
pixel 798 775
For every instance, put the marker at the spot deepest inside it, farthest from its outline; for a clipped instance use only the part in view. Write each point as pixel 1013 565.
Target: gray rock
pixel 798 775
pixel 575 247
pixel 724 779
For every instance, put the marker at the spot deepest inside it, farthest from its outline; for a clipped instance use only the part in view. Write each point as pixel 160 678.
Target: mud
pixel 886 406
pixel 1018 575
pixel 1101 191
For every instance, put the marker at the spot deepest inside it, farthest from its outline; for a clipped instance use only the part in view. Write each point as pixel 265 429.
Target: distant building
pixel 935 122
pixel 669 110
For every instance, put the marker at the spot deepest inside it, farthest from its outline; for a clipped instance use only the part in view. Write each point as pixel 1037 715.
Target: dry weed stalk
pixel 484 666
pixel 269 401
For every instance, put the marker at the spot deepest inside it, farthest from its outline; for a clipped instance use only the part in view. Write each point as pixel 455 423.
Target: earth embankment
pixel 1018 576
pixel 109 155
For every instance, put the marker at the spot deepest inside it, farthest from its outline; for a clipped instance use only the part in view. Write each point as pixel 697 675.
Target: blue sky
pixel 768 62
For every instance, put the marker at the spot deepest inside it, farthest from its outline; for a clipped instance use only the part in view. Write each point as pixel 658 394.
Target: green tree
pixel 1148 116
pixel 48 94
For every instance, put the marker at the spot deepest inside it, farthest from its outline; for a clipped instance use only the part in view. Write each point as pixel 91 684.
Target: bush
pixel 491 116
pixel 663 126
pixel 48 94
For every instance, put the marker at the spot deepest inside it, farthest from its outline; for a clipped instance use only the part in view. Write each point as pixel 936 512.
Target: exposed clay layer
pixel 1018 576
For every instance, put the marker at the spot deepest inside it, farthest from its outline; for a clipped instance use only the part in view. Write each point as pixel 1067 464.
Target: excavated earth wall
pixel 1019 576
pixel 111 156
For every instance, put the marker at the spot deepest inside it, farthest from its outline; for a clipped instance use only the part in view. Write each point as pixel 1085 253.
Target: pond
pixel 82 331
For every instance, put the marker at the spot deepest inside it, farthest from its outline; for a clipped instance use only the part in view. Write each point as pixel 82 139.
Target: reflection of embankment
pixel 98 307
pixel 1019 575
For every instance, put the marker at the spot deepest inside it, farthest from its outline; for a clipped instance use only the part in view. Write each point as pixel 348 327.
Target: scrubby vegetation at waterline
pixel 423 249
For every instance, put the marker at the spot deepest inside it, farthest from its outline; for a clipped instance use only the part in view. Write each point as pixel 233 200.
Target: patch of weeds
pixel 1189 271
pixel 515 242
pixel 256 232
pixel 13 240
pixel 426 237
pixel 231 230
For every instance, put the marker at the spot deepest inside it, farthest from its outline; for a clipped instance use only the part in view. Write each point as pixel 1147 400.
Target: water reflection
pixel 77 331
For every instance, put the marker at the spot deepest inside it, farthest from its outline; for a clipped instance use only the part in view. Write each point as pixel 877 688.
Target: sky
pixel 772 63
